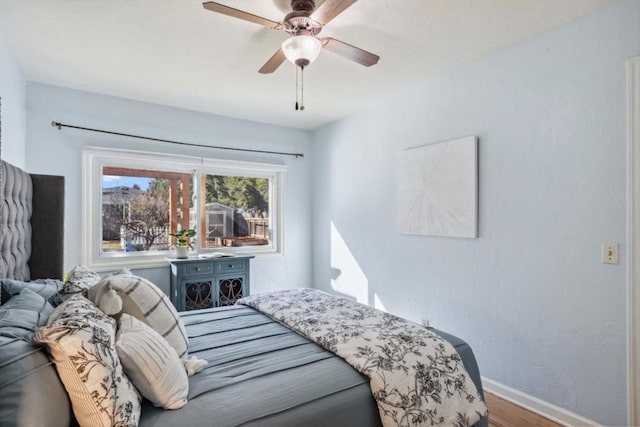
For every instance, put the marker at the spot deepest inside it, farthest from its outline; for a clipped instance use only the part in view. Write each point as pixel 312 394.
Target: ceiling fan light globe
pixel 301 50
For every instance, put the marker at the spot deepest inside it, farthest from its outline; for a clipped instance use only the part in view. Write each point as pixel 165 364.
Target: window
pixel 133 201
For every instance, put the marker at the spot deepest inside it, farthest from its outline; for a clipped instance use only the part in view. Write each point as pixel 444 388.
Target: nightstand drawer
pixel 197 268
pixel 230 265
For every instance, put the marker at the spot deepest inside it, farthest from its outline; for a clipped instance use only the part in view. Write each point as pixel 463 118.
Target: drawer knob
pixel 197 268
pixel 230 265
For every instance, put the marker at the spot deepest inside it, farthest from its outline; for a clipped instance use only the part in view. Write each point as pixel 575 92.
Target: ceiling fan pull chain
pixel 297 89
pixel 301 88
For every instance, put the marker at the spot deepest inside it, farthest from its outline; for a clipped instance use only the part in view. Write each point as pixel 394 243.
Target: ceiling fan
pixel 303 24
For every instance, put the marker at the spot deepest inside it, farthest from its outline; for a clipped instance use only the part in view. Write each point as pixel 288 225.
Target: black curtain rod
pixel 64 125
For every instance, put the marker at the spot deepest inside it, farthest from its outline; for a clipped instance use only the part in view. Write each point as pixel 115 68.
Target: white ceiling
pixel 174 52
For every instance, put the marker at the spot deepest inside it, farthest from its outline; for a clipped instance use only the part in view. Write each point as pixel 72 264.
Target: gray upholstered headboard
pixel 31 224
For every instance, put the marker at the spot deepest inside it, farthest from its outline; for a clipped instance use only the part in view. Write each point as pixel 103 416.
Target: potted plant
pixel 183 242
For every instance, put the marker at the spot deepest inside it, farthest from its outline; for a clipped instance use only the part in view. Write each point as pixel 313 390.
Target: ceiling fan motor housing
pixel 299 23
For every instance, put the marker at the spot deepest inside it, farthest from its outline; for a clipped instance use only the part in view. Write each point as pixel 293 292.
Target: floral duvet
pixel 417 378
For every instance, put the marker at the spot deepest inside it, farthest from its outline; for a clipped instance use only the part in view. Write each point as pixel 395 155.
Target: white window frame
pixel 95 158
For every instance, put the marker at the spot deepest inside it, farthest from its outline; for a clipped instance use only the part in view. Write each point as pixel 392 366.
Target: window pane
pixel 235 212
pixel 140 208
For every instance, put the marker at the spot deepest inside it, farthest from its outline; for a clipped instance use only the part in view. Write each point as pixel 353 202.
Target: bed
pixel 259 372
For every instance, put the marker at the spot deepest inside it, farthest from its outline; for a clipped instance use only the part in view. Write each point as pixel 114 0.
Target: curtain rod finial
pixel 56 124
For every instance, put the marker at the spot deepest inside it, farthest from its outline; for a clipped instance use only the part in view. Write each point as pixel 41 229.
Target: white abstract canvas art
pixel 438 189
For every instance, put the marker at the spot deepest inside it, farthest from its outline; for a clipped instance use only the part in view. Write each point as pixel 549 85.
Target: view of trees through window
pixel 141 207
pixel 235 212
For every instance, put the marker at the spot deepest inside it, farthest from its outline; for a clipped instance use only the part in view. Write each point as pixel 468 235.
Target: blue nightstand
pixel 209 282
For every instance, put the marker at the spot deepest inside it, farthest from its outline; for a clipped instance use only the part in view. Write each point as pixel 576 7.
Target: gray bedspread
pixel 262 374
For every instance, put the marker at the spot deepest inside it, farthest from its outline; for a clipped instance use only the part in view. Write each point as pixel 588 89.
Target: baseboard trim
pixel 533 404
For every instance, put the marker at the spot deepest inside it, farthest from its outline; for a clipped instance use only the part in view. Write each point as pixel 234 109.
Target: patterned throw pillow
pixel 80 279
pixel 81 341
pixel 151 364
pixel 147 303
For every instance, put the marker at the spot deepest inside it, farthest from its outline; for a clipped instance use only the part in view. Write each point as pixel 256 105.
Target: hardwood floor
pixel 506 414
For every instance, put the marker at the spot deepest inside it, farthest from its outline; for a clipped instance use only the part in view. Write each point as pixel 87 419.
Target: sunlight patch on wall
pixel 378 304
pixel 347 277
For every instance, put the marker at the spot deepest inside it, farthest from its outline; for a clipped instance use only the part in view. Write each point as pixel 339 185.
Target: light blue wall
pixel 530 295
pixel 58 152
pixel 12 92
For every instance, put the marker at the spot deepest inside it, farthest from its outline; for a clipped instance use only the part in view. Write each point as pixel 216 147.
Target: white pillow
pixel 151 364
pixel 147 303
pixel 81 341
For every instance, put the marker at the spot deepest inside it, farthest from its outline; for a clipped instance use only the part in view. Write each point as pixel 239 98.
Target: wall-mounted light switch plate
pixel 610 253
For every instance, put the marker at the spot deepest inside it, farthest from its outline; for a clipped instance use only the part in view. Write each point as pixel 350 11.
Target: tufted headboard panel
pixel 32 224
pixel 15 247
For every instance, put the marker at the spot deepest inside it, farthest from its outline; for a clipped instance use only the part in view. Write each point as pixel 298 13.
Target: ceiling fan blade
pixel 350 52
pixel 229 11
pixel 273 63
pixel 330 9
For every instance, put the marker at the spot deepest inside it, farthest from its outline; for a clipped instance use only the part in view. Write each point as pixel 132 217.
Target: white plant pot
pixel 182 252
